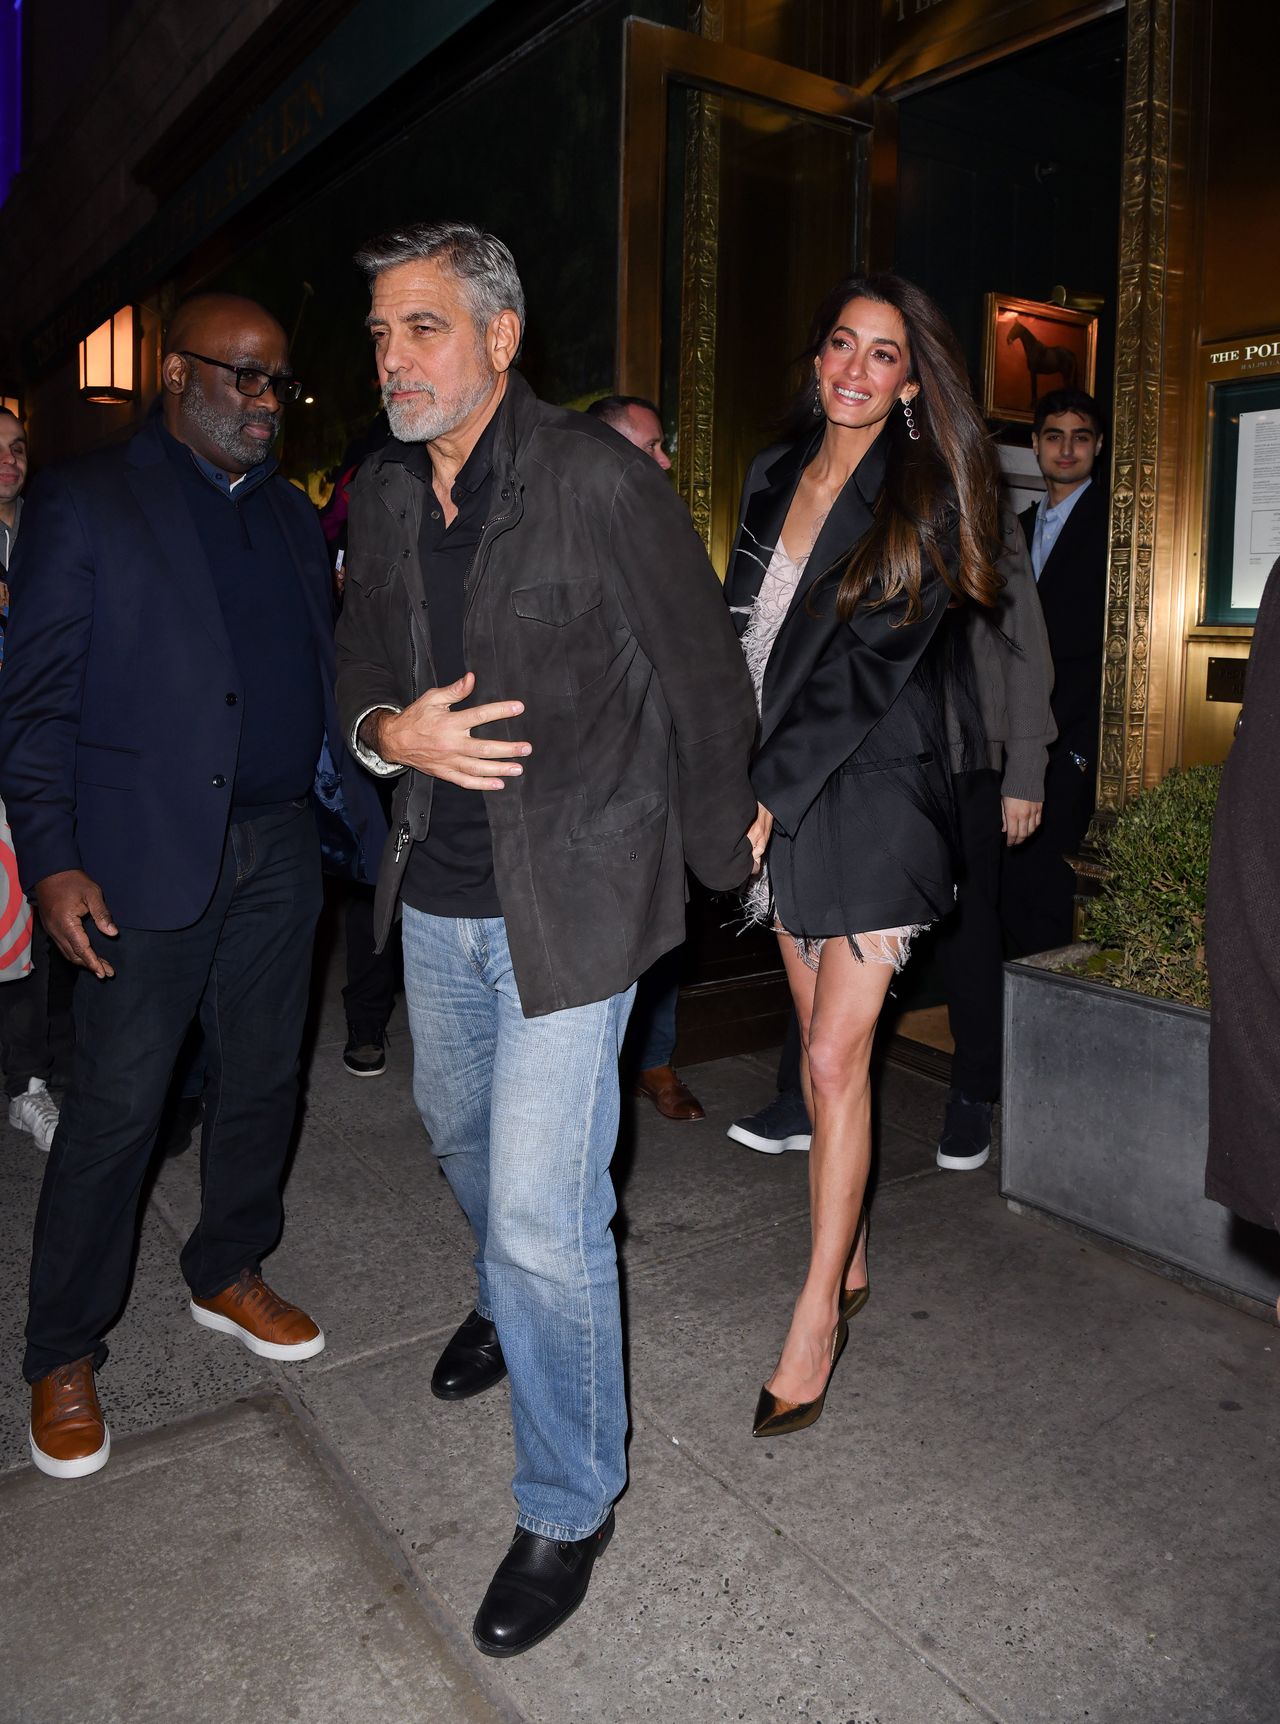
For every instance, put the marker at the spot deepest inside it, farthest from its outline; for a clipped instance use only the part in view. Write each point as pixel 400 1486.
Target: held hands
pixel 432 738
pixel 758 834
pixel 1018 819
pixel 64 900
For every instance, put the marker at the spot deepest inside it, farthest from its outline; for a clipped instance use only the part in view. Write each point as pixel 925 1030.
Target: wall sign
pixel 1242 479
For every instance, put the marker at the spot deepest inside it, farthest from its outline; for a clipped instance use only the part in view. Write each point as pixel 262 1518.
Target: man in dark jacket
pixel 166 696
pixel 533 639
pixel 1067 535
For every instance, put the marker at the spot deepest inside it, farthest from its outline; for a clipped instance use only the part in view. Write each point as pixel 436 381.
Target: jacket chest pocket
pixel 562 635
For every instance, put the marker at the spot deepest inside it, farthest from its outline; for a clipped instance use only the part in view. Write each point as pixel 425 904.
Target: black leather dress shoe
pixel 471 1363
pixel 539 1584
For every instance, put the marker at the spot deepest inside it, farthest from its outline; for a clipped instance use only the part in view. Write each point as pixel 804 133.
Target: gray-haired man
pixel 532 637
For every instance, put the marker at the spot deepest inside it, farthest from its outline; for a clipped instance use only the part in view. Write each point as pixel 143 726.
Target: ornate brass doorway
pixel 748 187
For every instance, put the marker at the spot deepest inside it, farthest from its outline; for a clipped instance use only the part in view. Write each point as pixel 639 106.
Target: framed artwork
pixel 1030 349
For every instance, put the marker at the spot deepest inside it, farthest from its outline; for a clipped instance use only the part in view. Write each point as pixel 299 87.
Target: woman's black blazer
pixel 852 759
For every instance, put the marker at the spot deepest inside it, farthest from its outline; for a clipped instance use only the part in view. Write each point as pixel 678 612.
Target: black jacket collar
pixel 769 499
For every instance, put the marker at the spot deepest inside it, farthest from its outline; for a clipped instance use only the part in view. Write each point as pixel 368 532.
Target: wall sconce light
pixel 109 359
pixel 12 404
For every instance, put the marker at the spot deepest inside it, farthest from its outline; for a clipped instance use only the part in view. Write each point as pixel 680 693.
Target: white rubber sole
pixel 963 1163
pixel 76 1469
pixel 30 1131
pixel 352 1072
pixel 770 1145
pixel 264 1349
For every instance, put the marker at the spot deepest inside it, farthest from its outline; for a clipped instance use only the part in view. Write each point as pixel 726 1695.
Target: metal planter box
pixel 1106 1118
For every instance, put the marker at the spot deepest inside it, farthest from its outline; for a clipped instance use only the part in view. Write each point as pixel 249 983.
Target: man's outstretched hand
pixel 64 900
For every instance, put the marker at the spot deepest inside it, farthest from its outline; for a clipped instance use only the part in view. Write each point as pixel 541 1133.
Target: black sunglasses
pixel 252 382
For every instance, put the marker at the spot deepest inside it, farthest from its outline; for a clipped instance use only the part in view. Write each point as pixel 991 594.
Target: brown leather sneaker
pixel 267 1324
pixel 672 1098
pixel 69 1436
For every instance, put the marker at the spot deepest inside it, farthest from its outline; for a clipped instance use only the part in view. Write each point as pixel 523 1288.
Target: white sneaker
pixel 36 1112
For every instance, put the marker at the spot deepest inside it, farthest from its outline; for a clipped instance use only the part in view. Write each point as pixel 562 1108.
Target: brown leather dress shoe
pixel 69 1436
pixel 672 1098
pixel 267 1324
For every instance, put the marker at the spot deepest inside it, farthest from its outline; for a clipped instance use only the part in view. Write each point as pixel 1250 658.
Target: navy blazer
pixel 120 701
pixel 1073 595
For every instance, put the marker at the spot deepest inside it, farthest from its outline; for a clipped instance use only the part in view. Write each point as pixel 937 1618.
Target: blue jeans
pixel 651 1040
pixel 523 1115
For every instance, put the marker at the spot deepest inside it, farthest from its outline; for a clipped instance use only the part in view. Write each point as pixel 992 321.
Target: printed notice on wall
pixel 1257 524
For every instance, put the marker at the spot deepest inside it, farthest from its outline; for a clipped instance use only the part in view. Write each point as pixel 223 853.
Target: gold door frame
pixel 1141 685
pixel 656 57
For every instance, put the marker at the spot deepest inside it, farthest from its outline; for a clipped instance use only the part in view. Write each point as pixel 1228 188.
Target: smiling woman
pixel 859 538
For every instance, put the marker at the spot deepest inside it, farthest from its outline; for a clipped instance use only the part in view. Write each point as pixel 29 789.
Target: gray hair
pixel 483 265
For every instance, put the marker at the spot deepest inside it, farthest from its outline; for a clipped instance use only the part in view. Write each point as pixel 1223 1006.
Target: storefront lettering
pixel 266 145
pixel 1260 355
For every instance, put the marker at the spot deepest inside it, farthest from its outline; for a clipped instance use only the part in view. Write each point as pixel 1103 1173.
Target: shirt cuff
pixel 374 762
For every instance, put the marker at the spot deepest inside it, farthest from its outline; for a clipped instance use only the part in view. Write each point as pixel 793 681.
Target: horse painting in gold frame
pixel 1031 349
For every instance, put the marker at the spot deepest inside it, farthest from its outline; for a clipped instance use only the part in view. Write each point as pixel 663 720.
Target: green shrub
pixel 1149 917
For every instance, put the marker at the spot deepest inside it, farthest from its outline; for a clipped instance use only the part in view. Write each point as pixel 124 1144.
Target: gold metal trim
pixel 1139 379
pixel 698 308
pixel 655 56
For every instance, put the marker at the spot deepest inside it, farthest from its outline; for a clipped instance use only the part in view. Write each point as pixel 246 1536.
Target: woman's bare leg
pixel 838 1009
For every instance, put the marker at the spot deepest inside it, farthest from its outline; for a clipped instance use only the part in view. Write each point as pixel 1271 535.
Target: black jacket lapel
pixel 804 634
pixel 764 509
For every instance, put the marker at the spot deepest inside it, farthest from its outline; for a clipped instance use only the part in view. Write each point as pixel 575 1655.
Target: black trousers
pixel 372 977
pixel 244 969
pixel 1037 890
pixel 968 942
pixel 35 1018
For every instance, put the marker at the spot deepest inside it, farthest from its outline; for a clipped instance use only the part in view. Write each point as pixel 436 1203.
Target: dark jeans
pixel 372 976
pixel 244 968
pixel 651 1037
pixel 1037 891
pixel 969 948
pixel 35 1018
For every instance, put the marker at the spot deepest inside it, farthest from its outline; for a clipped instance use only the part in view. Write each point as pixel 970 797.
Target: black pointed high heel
pixel 775 1418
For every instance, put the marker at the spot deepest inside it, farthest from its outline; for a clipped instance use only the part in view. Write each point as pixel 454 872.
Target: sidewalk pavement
pixel 1044 1489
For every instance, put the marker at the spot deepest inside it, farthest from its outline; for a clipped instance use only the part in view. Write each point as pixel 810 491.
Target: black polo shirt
pixel 450 872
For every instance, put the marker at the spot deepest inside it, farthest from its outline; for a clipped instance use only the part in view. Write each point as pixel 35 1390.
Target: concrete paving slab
pixel 374 1246
pixel 682 1184
pixel 702 1609
pixel 215 1575
pixel 1052 1473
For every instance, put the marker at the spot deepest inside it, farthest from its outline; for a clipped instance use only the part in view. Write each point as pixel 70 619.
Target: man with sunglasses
pixel 167 695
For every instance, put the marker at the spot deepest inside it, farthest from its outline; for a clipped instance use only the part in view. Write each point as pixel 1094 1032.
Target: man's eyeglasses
pixel 252 382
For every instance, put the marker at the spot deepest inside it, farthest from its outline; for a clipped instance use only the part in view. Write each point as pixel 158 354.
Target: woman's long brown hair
pixel 944 486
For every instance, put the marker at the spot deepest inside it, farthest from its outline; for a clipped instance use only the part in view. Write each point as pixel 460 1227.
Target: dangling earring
pixel 911 424
pixel 817 397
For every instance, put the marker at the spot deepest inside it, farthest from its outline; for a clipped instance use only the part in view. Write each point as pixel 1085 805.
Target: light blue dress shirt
pixel 1050 522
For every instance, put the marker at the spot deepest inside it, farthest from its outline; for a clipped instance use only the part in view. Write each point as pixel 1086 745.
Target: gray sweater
pixel 1013 673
